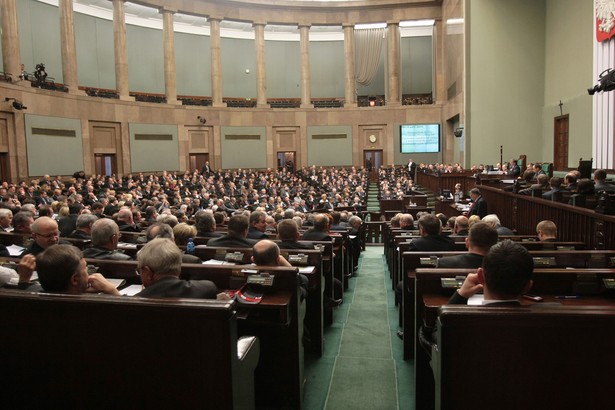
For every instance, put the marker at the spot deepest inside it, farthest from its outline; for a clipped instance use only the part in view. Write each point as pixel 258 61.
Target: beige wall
pixel 505 88
pixel 524 57
pixel 569 42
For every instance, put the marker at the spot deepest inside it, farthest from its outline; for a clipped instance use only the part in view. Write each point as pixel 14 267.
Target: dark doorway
pixel 372 160
pixel 287 159
pixel 197 162
pixel 105 164
pixel 560 143
pixel 4 167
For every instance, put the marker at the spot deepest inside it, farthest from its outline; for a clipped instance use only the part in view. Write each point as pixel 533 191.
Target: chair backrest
pixel 86 351
pixel 513 358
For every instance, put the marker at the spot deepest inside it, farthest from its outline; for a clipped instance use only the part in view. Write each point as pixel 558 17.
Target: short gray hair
pixel 103 230
pixel 85 220
pixel 162 256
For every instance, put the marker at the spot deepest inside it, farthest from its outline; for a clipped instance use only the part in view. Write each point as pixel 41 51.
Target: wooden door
pixel 197 161
pixel 560 143
pixel 105 164
pixel 372 160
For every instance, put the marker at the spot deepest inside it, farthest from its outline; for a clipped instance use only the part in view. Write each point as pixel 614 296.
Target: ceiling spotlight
pixel 202 120
pixel 16 104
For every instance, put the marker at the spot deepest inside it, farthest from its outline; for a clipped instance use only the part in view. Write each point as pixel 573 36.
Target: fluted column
pixel 216 62
pixel 121 53
pixel 170 79
pixel 393 62
pixel 261 71
pixel 67 40
pixel 350 88
pixel 11 54
pixel 306 84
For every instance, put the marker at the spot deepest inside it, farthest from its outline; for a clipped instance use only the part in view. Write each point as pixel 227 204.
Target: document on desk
pixel 117 282
pixel 217 262
pixel 126 245
pixel 476 300
pixel 306 269
pixel 15 250
pixel 131 290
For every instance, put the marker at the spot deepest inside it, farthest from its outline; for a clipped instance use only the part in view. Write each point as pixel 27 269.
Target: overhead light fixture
pixel 417 23
pixel 370 25
pixel 16 104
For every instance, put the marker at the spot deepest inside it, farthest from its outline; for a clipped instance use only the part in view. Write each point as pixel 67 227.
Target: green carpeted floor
pixel 362 366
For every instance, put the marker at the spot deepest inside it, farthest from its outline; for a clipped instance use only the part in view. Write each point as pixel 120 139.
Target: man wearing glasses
pixel 45 233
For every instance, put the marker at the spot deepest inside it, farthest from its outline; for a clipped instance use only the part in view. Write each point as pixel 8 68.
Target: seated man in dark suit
pixel 320 230
pixel 83 228
pixel 505 276
pixel 479 204
pixel 105 236
pixel 159 264
pixel 125 221
pixel 45 233
pixel 288 233
pixel 68 223
pixel 494 221
pixel 61 268
pixel 542 183
pixel 258 225
pixel 555 184
pixel 462 226
pixel 601 184
pixel 431 240
pixel 480 239
pixel 546 231
pixel 236 236
pixel 206 225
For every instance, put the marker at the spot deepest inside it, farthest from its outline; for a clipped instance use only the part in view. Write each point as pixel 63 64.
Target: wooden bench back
pixel 514 358
pixel 86 351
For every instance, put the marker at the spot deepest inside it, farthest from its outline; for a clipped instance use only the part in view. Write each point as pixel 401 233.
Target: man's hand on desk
pixel 222 296
pixel 97 283
pixel 470 286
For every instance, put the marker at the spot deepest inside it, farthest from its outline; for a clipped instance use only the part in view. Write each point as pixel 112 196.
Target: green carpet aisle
pixel 362 366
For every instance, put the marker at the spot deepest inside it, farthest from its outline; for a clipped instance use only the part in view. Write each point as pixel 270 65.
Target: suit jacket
pixel 254 233
pixel 293 245
pixel 101 253
pixel 432 243
pixel 314 235
pixel 173 287
pixel 479 208
pixel 231 242
pixel 78 234
pixel 210 234
pixel 67 224
pixel 468 260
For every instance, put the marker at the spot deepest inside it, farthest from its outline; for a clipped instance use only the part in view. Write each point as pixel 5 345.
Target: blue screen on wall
pixel 419 138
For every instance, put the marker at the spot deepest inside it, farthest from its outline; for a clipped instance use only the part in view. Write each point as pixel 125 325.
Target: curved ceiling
pixel 145 16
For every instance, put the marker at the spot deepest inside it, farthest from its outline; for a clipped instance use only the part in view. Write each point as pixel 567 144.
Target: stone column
pixel 67 40
pixel 261 72
pixel 216 64
pixel 121 53
pixel 306 84
pixel 170 79
pixel 11 54
pixel 393 62
pixel 350 88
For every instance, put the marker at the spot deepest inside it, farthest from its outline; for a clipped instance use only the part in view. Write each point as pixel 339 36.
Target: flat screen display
pixel 419 138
